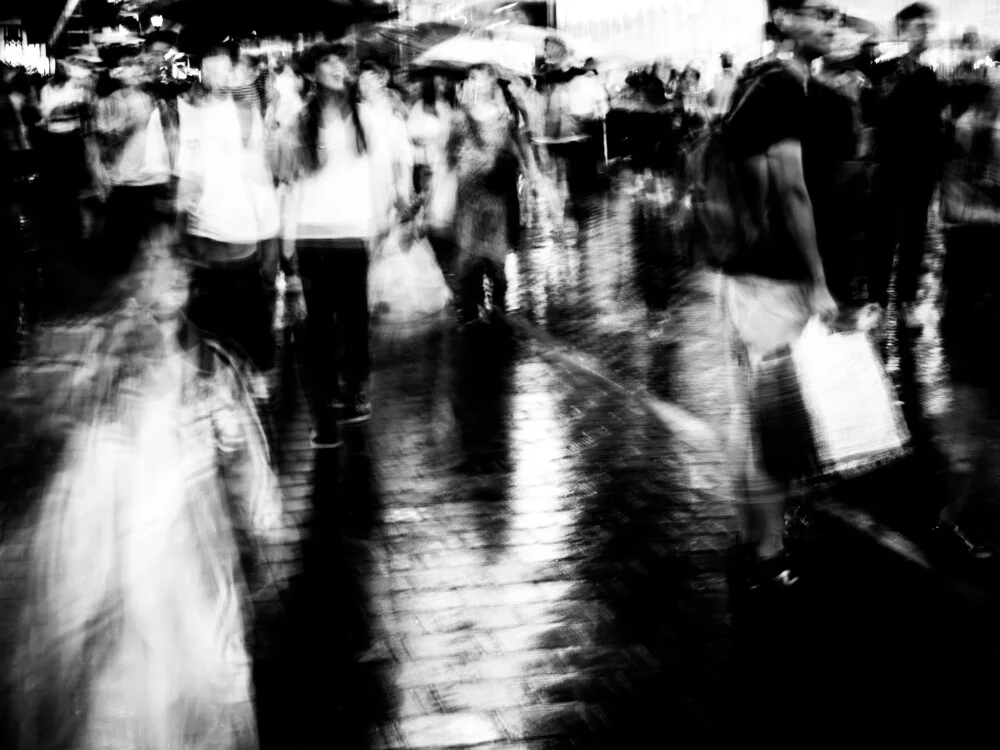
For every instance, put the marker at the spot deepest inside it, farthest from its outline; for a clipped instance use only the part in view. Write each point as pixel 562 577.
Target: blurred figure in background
pixel 133 629
pixel 909 143
pixel 722 87
pixel 288 89
pixel 378 88
pixel 429 124
pixel 20 208
pixel 486 149
pixel 345 161
pixel 690 104
pixel 590 104
pixel 228 209
pixel 136 154
pixel 66 125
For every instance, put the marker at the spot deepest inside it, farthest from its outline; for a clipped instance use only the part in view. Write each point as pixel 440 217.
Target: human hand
pixel 822 304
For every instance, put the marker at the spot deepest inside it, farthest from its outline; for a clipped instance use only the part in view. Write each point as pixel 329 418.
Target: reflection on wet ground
pixel 514 553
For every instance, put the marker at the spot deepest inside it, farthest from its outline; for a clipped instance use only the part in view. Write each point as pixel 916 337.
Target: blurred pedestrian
pixel 774 286
pixel 66 119
pixel 722 87
pixel 429 124
pixel 136 154
pixel 351 169
pixel 228 209
pixel 487 150
pixel 134 625
pixel 909 149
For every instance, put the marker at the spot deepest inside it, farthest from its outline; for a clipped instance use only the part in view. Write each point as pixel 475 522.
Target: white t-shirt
pixel 236 200
pixel 336 202
pixel 353 194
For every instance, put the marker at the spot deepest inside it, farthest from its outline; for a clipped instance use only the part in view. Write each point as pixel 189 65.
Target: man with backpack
pixel 753 211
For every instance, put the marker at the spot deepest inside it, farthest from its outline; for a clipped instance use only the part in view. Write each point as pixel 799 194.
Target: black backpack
pixel 722 225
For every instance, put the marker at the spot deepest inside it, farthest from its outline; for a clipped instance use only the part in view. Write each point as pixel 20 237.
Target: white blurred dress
pixel 134 633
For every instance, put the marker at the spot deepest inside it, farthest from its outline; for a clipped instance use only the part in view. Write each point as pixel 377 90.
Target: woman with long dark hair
pixel 343 159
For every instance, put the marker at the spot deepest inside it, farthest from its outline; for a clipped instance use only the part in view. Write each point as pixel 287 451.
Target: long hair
pixel 429 95
pixel 311 120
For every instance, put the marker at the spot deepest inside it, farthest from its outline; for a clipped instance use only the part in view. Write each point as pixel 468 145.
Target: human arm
pixel 782 165
pixel 185 167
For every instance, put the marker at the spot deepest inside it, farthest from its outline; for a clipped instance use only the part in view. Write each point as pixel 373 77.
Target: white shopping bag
pixel 857 422
pixel 405 283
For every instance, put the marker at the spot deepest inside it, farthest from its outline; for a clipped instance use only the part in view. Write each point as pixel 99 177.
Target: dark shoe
pixel 358 409
pixel 775 573
pixel 326 435
pixel 952 536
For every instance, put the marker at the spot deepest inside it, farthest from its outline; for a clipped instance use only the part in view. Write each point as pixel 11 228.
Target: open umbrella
pixel 578 49
pixel 463 51
pixel 397 42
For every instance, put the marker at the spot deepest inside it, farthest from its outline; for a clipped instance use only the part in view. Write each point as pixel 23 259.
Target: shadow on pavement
pixel 311 689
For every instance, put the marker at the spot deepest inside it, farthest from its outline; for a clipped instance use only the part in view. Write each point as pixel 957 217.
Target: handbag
pixel 962 202
pixel 825 406
pixel 406 287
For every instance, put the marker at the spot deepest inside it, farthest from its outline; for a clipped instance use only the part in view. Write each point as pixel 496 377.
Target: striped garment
pixel 135 576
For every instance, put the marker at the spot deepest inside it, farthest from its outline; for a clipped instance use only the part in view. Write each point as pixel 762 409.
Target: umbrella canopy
pixel 578 49
pixel 463 51
pixel 397 42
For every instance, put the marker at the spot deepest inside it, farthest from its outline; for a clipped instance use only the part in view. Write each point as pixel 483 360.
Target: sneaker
pixel 871 317
pixel 359 409
pixel 778 572
pixel 326 435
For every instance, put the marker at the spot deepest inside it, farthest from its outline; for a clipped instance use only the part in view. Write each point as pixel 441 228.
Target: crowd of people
pixel 151 226
pixel 153 229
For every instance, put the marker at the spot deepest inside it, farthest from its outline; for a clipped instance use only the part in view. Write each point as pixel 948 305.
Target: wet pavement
pixel 526 546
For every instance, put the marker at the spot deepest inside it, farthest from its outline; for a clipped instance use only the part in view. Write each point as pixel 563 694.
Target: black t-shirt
pixel 770 105
pixel 829 141
pixel 908 102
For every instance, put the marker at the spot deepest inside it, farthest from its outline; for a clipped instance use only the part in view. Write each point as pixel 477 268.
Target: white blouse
pixel 235 198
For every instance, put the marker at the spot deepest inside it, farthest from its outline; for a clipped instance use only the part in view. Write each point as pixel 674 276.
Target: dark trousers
pixel 132 213
pixel 471 287
pixel 445 251
pixel 901 199
pixel 231 303
pixel 335 285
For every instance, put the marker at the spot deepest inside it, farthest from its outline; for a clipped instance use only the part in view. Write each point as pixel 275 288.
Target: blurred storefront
pixel 679 30
pixel 479 13
pixel 17 52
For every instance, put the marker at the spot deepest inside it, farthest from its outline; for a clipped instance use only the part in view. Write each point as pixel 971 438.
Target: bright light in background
pixel 156 21
pixel 502 8
pixel 29 56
